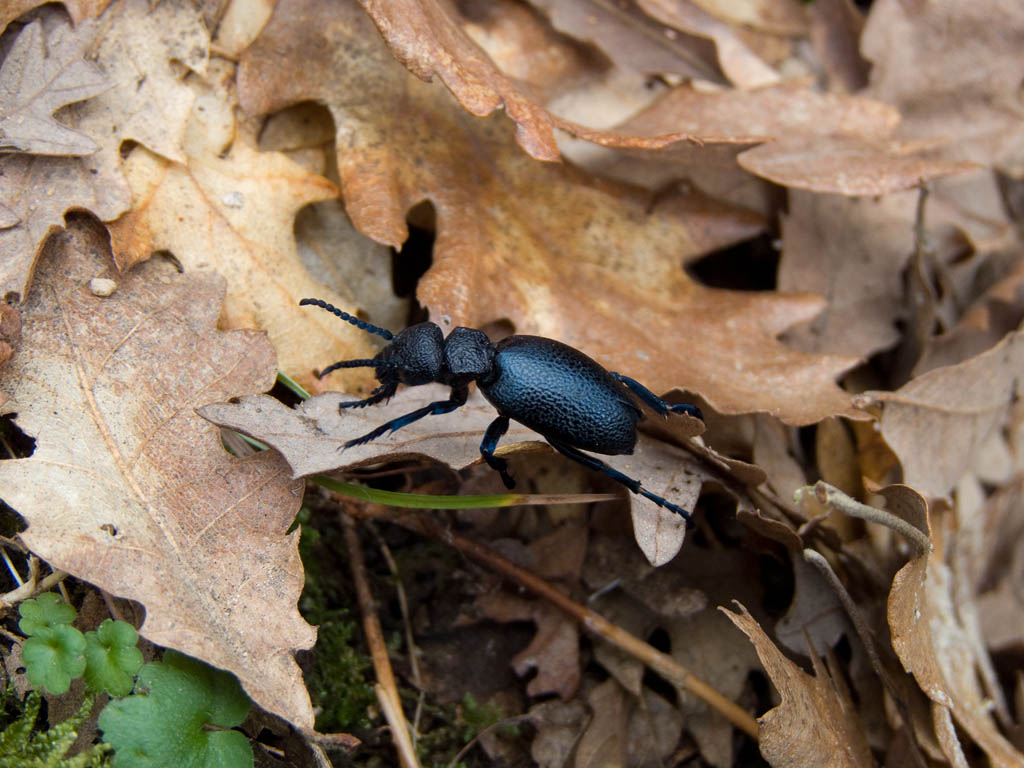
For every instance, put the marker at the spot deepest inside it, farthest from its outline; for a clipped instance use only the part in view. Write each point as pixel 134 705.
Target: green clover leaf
pixel 53 656
pixel 111 658
pixel 171 724
pixel 45 612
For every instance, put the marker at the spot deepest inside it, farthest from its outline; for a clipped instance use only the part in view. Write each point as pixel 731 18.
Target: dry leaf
pixel 707 642
pixel 141 499
pixel 743 67
pixel 78 10
pixel 954 71
pixel 145 102
pixel 38 190
pixel 782 17
pixel 603 742
pixel 233 208
pixel 633 40
pixel 836 27
pixel 853 251
pixel 311 436
pixel 814 614
pixel 423 36
pixel 554 652
pixel 816 724
pixel 496 258
pixel 10 332
pixel 146 51
pixel 932 643
pixel 558 727
pixel 37 78
pixel 938 421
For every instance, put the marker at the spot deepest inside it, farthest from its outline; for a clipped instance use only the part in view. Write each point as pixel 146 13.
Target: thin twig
pixel 657 661
pixel 410 641
pixel 10 567
pixel 832 496
pixel 386 688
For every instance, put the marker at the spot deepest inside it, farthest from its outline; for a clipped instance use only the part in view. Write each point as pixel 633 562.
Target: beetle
pixel 548 386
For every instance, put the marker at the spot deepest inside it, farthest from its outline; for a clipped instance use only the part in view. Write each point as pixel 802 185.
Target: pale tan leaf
pixel 824 142
pixel 38 191
pixel 233 208
pixel 311 438
pixel 146 102
pixel 853 251
pixel 140 497
pixel 938 421
pixel 954 70
pixel 37 78
pixel 783 17
pixel 79 10
pixel 146 51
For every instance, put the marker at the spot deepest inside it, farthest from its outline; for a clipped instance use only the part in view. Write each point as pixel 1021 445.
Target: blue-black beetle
pixel 548 386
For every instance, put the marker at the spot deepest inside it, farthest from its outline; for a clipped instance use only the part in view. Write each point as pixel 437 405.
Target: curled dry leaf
pixel 424 37
pixel 816 724
pixel 311 436
pixel 822 142
pixel 933 644
pixel 633 40
pixel 743 67
pixel 535 244
pixel 129 489
pixel 938 422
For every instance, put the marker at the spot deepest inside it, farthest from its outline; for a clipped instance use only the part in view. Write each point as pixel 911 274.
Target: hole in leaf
pixel 410 263
pixel 748 266
pixel 14 443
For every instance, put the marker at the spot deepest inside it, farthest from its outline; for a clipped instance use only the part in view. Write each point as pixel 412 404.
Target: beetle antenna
pixel 360 324
pixel 358 364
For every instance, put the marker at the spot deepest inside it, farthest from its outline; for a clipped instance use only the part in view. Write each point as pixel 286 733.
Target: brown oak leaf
pixel 140 497
pixel 554 251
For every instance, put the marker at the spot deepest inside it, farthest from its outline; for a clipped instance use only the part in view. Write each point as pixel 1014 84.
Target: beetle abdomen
pixel 561 393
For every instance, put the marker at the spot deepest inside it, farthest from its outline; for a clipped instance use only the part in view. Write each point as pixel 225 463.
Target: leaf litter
pixel 579 171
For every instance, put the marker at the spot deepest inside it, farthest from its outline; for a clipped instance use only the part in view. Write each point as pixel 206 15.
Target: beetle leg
pixel 383 392
pixel 659 405
pixel 634 485
pixel 493 434
pixel 456 400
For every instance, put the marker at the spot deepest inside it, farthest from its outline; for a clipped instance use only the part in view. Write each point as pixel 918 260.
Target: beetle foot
pixel 507 479
pixel 689 410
